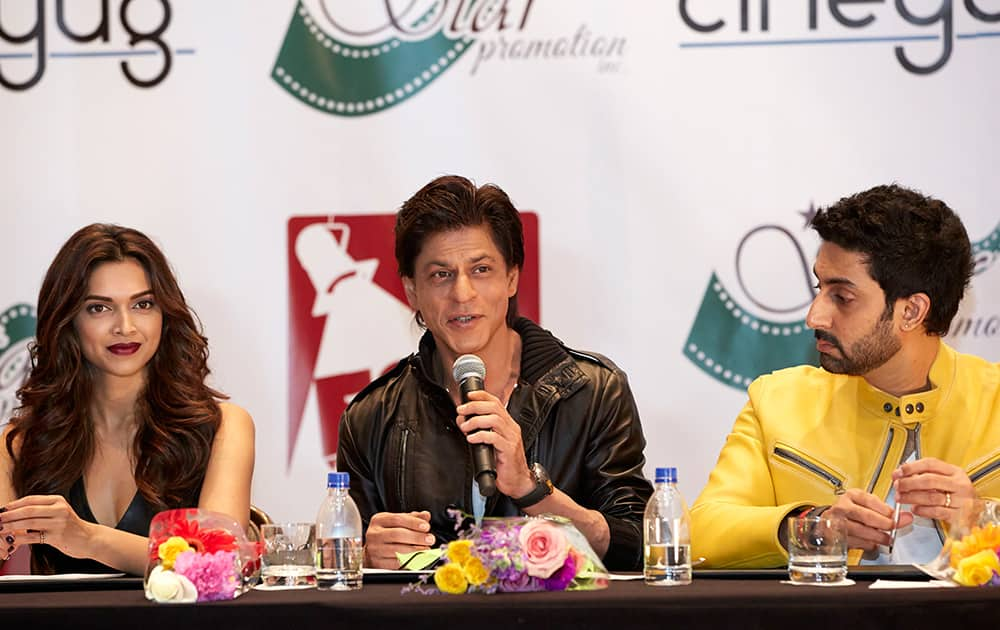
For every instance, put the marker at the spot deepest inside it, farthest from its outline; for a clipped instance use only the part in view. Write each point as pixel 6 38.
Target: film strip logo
pixel 986 251
pixel 334 76
pixel 734 347
pixel 17 330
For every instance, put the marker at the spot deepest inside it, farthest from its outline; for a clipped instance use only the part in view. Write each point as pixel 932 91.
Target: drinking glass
pixel 817 549
pixel 289 557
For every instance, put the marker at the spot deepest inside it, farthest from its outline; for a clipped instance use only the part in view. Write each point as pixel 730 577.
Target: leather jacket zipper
pixel 402 466
pixel 811 467
pixel 881 461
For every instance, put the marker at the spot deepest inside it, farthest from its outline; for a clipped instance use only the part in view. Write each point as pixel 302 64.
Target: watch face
pixel 541 475
pixel 543 487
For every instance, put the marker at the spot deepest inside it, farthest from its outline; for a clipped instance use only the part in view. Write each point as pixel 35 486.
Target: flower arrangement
pixel 197 555
pixel 971 554
pixel 974 557
pixel 515 555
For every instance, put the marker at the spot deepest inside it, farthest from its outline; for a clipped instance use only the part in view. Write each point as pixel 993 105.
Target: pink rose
pixel 544 546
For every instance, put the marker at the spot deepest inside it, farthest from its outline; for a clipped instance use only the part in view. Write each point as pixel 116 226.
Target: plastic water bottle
pixel 667 533
pixel 338 537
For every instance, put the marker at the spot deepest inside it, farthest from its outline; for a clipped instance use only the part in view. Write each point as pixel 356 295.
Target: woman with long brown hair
pixel 115 421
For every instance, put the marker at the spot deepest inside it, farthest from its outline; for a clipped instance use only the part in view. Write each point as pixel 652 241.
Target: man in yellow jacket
pixel 894 414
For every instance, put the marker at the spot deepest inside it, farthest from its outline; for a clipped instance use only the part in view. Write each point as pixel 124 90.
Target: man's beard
pixel 867 354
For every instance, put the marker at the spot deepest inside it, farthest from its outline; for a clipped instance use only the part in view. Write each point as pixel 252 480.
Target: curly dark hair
pixel 452 202
pixel 913 244
pixel 177 414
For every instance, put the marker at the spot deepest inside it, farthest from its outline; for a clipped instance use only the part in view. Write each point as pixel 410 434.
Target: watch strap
pixel 543 488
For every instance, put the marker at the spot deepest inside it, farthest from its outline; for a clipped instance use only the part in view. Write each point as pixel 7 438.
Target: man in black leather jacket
pixel 405 439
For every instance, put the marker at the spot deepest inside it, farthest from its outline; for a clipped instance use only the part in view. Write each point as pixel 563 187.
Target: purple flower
pixel 520 556
pixel 213 574
pixel 559 580
pixel 520 583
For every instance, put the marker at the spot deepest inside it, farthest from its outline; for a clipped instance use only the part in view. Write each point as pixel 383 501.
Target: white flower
pixel 168 587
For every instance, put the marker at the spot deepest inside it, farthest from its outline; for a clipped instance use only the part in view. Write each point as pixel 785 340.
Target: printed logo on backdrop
pixel 350 58
pixel 131 34
pixel 985 251
pixel 758 325
pixel 348 319
pixel 923 35
pixel 735 339
pixel 17 330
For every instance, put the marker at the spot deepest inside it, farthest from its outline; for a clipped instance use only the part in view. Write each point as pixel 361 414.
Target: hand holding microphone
pixel 469 372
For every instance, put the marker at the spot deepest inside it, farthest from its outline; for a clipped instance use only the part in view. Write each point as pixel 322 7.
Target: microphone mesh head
pixel 468 365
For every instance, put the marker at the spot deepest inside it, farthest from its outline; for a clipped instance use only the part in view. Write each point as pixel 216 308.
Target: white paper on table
pixel 282 587
pixel 844 582
pixel 59 577
pixel 910 584
pixel 417 573
pixel 624 577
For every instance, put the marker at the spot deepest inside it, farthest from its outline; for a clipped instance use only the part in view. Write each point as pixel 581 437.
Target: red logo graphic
pixel 348 318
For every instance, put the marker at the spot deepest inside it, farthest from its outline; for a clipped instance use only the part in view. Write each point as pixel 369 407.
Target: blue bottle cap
pixel 666 475
pixel 338 480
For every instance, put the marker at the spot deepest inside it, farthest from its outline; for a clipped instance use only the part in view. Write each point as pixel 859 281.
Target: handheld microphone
pixel 470 372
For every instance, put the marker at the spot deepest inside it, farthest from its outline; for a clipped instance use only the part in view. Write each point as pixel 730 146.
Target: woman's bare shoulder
pixel 15 445
pixel 235 418
pixel 7 465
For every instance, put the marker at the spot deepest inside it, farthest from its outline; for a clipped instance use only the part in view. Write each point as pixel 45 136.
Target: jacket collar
pixel 543 357
pixel 914 408
pixel 548 374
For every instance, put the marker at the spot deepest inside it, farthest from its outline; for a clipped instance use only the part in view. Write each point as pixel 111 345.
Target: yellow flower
pixel 459 551
pixel 451 579
pixel 977 569
pixel 169 549
pixel 475 572
pixel 978 539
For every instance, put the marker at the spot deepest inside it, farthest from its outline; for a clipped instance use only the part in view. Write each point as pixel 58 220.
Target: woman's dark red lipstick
pixel 124 348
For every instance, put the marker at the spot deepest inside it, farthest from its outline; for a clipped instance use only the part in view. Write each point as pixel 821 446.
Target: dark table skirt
pixel 708 603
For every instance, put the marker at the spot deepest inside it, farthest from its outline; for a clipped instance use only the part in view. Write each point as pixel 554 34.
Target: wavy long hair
pixel 177 414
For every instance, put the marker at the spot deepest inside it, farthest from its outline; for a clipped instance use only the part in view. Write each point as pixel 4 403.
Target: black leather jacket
pixel 399 441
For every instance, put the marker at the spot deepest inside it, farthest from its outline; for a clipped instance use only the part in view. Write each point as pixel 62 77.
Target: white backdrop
pixel 648 150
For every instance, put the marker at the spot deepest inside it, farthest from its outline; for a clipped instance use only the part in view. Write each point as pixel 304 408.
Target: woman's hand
pixel 45 519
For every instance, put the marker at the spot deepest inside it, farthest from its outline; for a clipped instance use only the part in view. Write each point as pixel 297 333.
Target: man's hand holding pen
pixel 933 488
pixel 869 519
pixel 895 516
pixel 930 487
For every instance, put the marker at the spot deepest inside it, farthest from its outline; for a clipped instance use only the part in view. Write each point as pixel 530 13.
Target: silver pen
pixel 895 524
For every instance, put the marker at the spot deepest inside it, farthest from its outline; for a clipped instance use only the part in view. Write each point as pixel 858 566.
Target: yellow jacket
pixel 807 435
